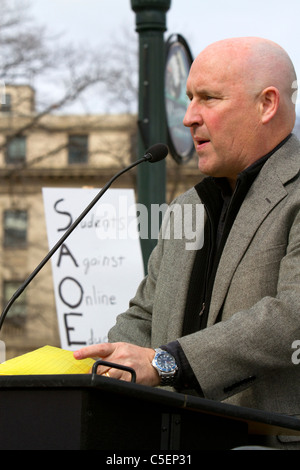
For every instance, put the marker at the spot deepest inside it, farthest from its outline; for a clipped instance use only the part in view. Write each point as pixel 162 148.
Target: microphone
pixel 154 154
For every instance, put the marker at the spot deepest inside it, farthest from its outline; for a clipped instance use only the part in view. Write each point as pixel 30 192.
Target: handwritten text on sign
pixel 97 269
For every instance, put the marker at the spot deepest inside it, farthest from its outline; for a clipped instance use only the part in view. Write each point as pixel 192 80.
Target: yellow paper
pixel 44 361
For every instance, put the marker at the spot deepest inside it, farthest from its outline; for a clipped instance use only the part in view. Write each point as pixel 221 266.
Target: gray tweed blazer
pixel 246 358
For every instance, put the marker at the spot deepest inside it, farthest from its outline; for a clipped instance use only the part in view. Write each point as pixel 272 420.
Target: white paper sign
pixel 99 266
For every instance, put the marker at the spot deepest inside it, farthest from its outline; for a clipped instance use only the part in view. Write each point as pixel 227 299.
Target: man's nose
pixel 192 116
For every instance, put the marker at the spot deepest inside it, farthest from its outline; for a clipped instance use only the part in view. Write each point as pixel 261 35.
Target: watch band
pixel 167 381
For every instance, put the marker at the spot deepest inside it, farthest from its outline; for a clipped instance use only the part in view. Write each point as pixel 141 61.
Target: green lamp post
pixel 151 184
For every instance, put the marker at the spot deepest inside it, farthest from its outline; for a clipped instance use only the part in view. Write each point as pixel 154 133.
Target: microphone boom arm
pixel 146 157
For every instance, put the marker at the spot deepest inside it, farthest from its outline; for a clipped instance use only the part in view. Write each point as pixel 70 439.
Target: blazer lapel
pixel 265 193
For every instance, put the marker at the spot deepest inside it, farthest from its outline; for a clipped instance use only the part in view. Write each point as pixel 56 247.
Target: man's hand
pixel 125 354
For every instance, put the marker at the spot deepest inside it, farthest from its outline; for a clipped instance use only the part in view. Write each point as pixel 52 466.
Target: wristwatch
pixel 165 365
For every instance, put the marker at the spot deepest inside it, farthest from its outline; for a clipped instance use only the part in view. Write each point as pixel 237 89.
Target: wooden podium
pixel 90 412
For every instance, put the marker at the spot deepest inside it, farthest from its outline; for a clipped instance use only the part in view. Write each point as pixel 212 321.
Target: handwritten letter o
pixel 71 303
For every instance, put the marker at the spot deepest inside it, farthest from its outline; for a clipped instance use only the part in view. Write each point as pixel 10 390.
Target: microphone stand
pixel 147 157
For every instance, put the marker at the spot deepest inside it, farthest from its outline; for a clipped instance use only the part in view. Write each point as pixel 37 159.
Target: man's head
pixel 241 104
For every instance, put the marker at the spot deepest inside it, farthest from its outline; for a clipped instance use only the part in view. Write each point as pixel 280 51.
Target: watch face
pixel 165 362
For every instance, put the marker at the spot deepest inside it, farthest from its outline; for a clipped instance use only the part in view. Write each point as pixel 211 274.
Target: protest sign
pixel 97 269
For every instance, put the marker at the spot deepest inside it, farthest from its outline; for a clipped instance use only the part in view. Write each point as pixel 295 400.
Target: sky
pixel 200 22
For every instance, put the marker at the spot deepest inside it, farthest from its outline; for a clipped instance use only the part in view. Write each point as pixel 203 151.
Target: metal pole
pixel 151 184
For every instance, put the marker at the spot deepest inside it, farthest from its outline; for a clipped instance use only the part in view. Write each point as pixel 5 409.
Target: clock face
pixel 178 63
pixel 165 362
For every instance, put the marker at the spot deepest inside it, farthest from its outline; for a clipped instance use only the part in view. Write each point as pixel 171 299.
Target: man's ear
pixel 269 103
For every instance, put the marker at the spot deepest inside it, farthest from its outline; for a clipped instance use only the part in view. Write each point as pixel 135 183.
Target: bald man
pixel 220 321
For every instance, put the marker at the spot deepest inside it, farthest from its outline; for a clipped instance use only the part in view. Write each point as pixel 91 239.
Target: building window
pixel 6 105
pixel 16 315
pixel 15 228
pixel 16 150
pixel 78 149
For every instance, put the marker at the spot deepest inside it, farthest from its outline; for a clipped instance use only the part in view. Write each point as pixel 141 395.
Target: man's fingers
pixel 95 351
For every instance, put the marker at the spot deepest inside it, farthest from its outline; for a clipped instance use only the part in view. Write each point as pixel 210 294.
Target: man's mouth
pixel 201 143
